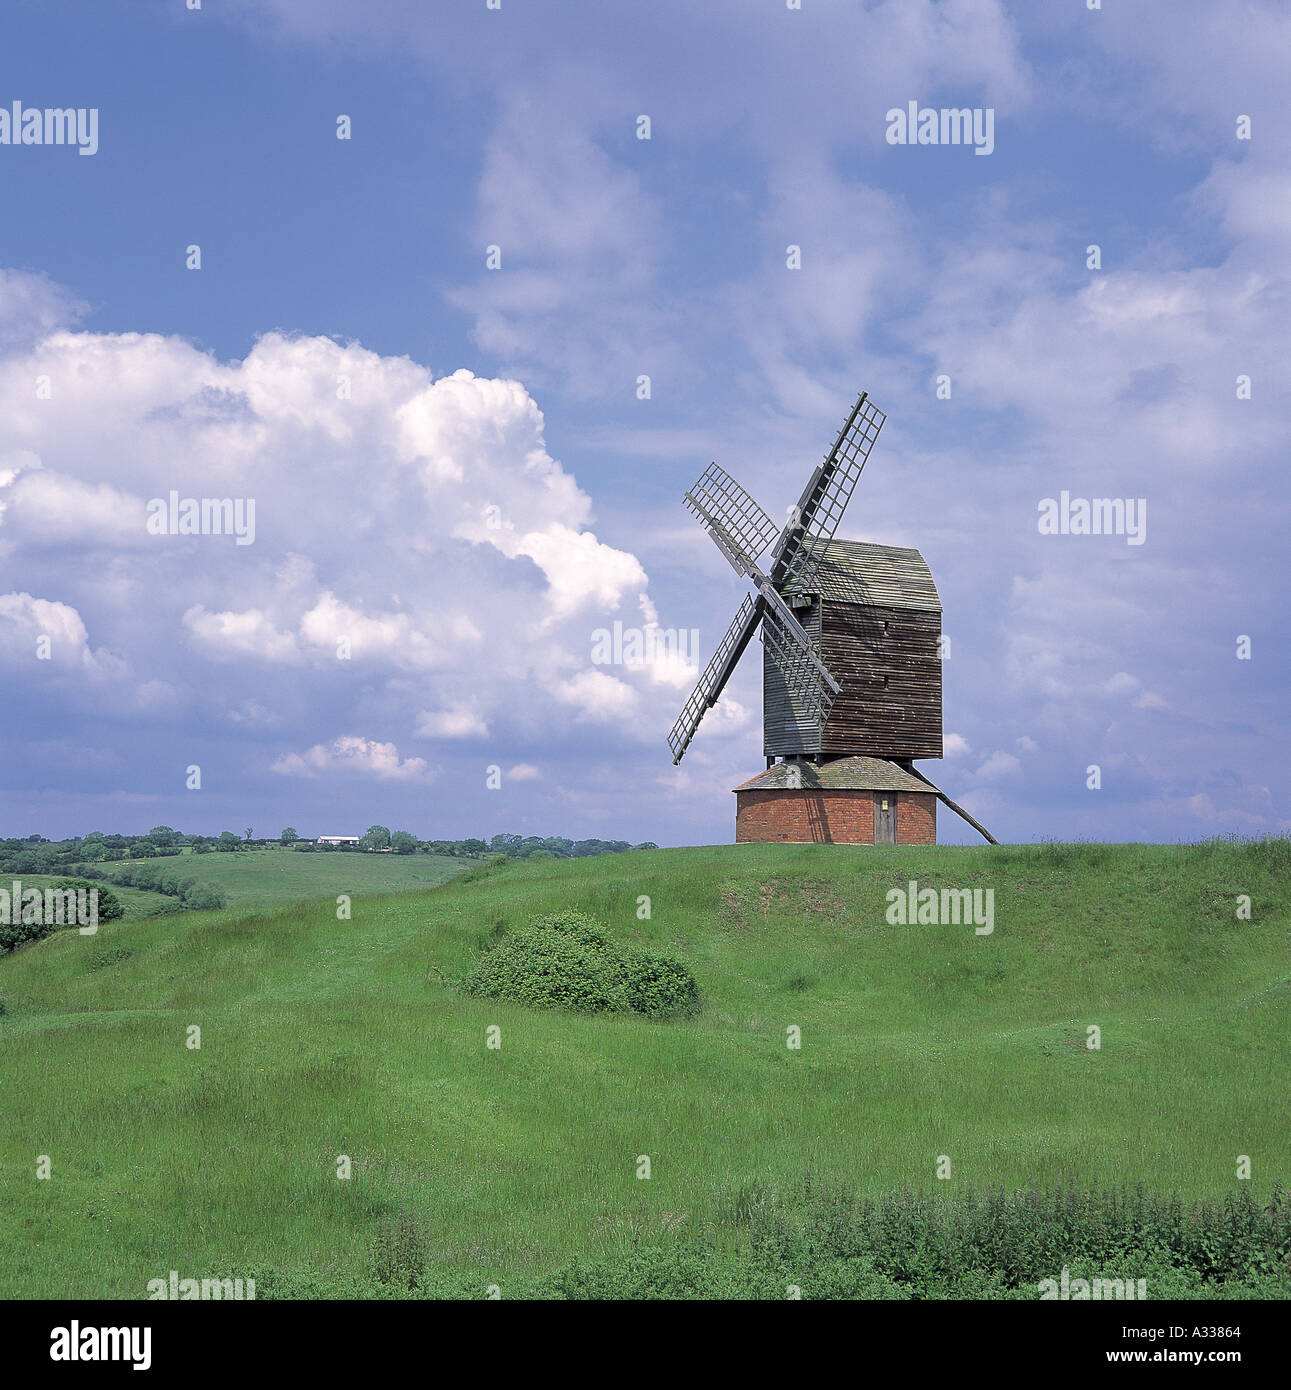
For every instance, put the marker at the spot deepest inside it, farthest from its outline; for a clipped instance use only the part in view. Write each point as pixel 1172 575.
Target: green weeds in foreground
pixel 815 1243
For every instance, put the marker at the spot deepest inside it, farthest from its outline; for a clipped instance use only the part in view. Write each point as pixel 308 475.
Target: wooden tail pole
pixel 958 810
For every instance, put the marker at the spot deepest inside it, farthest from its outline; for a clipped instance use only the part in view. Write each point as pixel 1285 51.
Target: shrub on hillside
pixel 110 907
pixel 16 933
pixel 565 960
pixel 659 986
pixel 203 899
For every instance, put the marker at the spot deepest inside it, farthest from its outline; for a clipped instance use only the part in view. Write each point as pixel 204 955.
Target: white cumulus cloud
pixel 351 756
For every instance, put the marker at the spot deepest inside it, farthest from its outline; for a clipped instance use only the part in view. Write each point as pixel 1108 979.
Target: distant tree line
pixel 34 854
pixel 37 855
pixel 380 838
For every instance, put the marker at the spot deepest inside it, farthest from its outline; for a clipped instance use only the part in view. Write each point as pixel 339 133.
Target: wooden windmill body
pixel 851 637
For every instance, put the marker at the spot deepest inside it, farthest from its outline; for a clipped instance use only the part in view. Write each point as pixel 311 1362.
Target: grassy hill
pixel 511 1166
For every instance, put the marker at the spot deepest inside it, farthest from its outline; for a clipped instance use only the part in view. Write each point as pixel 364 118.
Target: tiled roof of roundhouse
pixel 842 774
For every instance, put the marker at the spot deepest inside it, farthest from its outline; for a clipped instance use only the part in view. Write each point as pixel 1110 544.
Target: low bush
pixel 659 986
pixel 565 960
pixel 17 932
pixel 110 906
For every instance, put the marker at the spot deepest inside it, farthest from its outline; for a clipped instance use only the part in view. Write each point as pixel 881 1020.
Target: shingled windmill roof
pixel 882 575
pixel 842 774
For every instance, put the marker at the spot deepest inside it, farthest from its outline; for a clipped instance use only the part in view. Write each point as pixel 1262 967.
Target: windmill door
pixel 885 818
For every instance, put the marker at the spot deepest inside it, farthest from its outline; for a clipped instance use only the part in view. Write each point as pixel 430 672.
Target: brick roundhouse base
pixel 830 817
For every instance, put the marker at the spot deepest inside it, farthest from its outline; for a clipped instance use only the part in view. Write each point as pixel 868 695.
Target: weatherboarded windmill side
pixel 851 666
pixel 873 614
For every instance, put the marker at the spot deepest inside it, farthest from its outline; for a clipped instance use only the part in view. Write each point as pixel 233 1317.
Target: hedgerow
pixel 156 878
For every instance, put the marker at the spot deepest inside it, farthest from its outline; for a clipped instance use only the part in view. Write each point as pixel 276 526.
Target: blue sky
pixel 492 491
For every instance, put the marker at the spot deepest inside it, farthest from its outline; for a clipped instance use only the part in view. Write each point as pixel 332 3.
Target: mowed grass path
pixel 323 1038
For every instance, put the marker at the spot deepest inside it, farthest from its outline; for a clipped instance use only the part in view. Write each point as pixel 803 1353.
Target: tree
pixel 403 843
pixel 248 834
pixel 110 907
pixel 474 848
pixel 228 841
pixel 375 837
pixel 163 835
pixel 289 836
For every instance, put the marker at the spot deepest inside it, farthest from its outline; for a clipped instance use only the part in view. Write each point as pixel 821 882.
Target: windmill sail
pixel 805 689
pixel 789 635
pixel 716 674
pixel 741 529
pixel 825 498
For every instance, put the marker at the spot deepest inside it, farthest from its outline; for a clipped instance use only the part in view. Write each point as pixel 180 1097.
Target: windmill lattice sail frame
pixel 825 498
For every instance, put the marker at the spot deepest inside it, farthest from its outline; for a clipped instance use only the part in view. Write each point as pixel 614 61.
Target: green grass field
pixel 268 877
pixel 322 1038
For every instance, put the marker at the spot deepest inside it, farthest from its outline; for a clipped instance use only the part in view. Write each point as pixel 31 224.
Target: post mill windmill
pixel 851 661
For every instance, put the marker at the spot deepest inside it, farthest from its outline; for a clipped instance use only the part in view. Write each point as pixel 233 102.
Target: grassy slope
pixel 322 1038
pixel 269 877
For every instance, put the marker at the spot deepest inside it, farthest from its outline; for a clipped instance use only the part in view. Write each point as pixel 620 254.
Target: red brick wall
pixel 916 818
pixel 831 817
